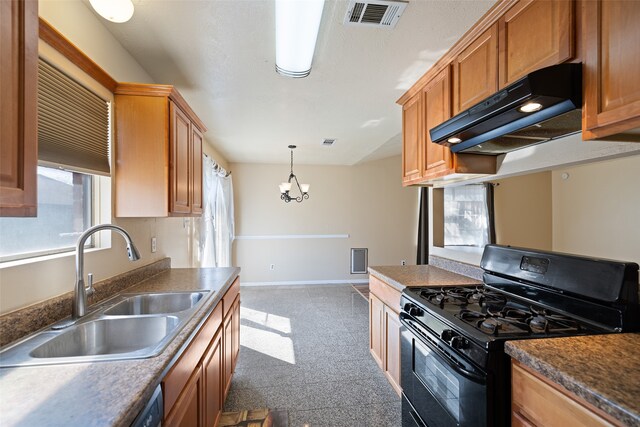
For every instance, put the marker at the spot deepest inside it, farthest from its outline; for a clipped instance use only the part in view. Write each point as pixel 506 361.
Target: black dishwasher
pixel 151 415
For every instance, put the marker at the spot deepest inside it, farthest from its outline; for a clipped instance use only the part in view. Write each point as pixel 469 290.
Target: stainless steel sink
pixel 161 303
pixel 108 337
pixel 128 326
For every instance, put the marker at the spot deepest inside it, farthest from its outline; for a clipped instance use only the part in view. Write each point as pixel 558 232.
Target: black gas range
pixel 454 369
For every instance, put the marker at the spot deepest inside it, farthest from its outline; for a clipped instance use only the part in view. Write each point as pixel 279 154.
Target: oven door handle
pixel 405 319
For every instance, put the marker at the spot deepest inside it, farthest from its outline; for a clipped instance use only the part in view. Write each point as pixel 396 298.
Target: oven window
pixel 442 383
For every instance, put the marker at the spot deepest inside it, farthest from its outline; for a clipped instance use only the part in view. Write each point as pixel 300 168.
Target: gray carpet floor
pixel 306 349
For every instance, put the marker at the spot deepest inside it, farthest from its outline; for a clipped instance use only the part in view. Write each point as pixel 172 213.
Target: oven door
pixel 443 389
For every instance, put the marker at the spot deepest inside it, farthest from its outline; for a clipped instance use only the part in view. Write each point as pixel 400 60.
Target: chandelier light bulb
pixel 305 188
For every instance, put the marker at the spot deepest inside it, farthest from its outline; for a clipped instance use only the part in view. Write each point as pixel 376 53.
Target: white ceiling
pixel 220 55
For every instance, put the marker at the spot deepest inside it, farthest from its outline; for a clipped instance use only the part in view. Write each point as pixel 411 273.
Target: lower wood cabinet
pixel 195 388
pixel 538 402
pixel 384 329
pixel 212 371
pixel 376 327
pixel 188 409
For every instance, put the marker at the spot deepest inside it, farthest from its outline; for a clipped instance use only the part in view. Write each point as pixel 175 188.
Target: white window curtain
pixel 214 230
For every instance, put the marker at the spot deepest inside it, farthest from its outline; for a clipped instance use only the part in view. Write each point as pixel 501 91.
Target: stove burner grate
pixel 517 321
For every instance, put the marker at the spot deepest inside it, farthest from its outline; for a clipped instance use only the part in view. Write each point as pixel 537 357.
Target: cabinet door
pixel 196 170
pixel 411 139
pixel 392 348
pixel 180 161
pixel 534 34
pixel 612 67
pixel 18 107
pixel 475 71
pixel 228 351
pixel 235 333
pixel 212 366
pixel 376 328
pixel 188 409
pixel 436 98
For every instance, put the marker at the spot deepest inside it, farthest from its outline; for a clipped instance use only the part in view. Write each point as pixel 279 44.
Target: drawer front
pixel 230 296
pixel 536 403
pixel 385 293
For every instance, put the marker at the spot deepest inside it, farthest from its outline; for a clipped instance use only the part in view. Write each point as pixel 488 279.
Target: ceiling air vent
pixel 377 13
pixel 328 142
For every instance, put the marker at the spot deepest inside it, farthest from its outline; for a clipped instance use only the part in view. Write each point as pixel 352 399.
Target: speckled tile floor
pixel 306 349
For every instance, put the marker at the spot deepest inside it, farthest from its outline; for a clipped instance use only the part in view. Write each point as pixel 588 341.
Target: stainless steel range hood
pixel 541 106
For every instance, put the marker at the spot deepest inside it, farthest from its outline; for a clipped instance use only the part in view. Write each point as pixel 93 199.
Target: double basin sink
pixel 129 326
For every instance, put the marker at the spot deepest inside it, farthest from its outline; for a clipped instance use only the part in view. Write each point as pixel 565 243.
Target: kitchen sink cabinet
pixel 231 333
pixel 412 136
pixel 212 372
pixel 536 401
pixel 475 71
pixel 384 329
pixel 18 108
pixel 195 387
pixel 158 153
pixel 188 410
pixel 534 34
pixel 611 68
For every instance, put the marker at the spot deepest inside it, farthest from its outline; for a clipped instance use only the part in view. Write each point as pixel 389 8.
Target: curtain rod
pixel 217 168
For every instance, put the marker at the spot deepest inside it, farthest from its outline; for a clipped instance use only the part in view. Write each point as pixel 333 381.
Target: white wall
pixel 596 209
pixel 365 202
pixel 523 211
pixel 27 282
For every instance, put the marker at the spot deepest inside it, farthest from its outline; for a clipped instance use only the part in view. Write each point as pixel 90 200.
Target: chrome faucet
pixel 80 297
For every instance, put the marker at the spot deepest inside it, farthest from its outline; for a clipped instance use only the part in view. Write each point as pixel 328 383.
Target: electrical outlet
pixel 403 262
pixel 154 244
pixel 272 266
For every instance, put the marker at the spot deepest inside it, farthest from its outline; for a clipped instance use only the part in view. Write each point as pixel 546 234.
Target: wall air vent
pixel 328 142
pixel 376 13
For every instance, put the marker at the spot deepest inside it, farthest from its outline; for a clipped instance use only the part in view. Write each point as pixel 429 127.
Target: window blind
pixel 73 123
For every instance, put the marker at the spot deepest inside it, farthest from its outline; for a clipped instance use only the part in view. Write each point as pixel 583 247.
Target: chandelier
pixel 285 187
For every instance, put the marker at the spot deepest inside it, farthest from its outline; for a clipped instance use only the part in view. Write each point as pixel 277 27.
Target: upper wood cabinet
pixel 436 98
pixel 534 34
pixel 423 161
pixel 411 140
pixel 18 107
pixel 158 153
pixel 475 71
pixel 611 68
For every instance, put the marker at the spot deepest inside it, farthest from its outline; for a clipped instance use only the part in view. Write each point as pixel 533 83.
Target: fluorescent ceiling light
pixel 297 25
pixel 114 10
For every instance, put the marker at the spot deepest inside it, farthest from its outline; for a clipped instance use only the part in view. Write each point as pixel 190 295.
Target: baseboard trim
pixel 305 282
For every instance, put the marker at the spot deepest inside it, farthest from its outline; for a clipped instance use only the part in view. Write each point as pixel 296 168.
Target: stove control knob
pixel 459 342
pixel 447 335
pixel 413 310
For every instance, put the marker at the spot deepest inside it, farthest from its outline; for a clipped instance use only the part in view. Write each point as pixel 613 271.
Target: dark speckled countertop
pixel 401 276
pixel 105 393
pixel 604 370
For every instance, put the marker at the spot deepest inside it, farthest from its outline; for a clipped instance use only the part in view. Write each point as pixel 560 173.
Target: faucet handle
pixel 90 289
